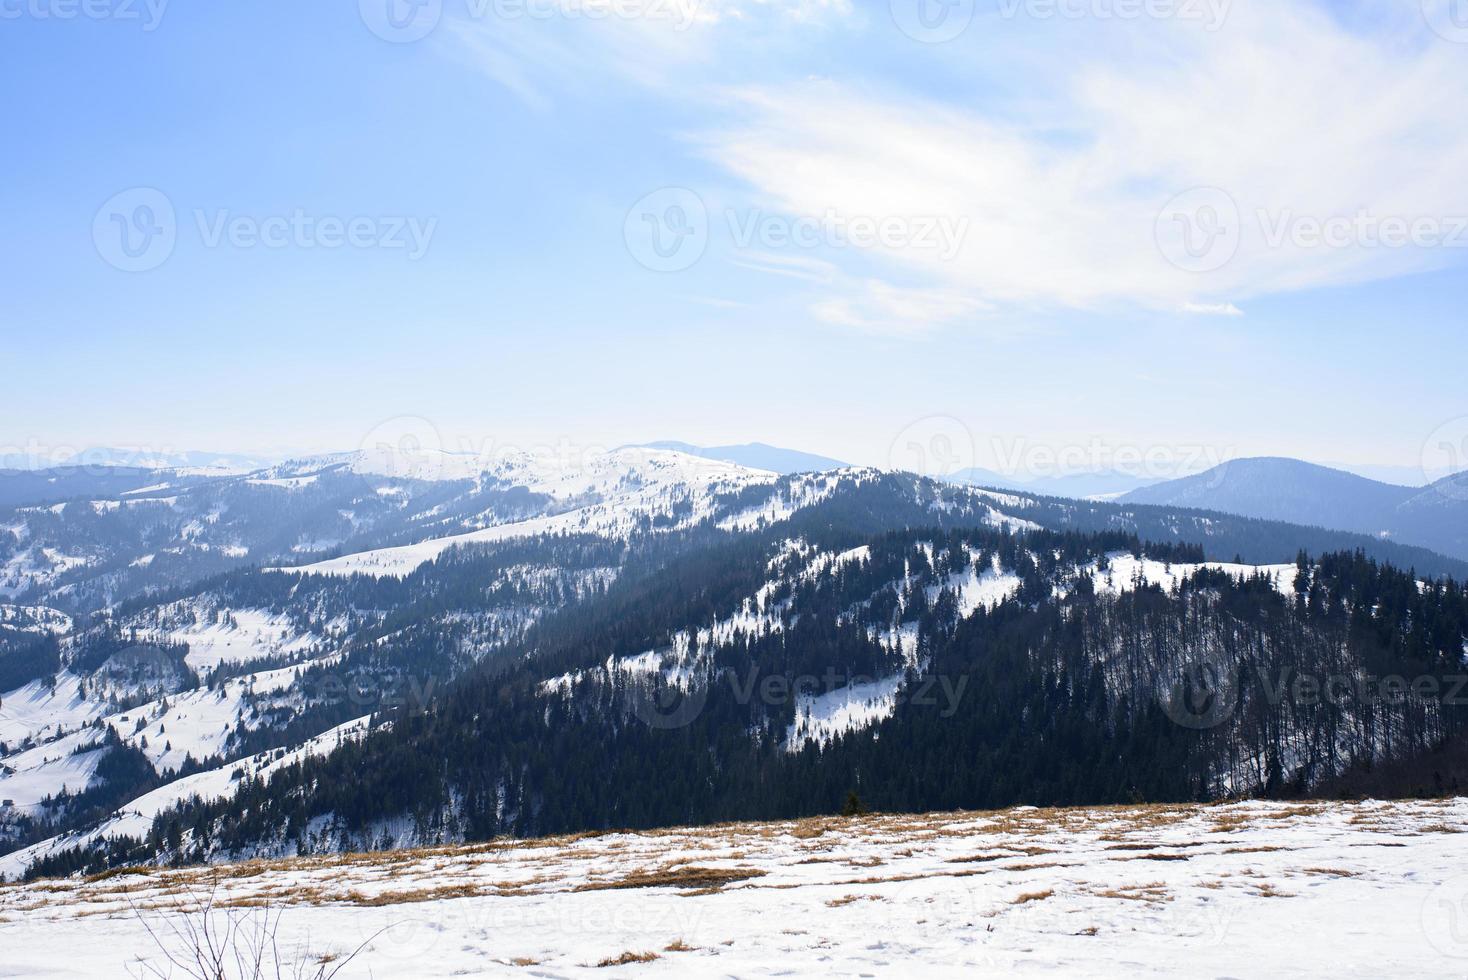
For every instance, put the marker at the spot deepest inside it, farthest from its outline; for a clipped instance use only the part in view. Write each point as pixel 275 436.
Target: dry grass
pixel 679 946
pixel 629 957
pixel 1035 866
pixel 680 877
pixel 1156 891
pixel 1154 856
pixel 1028 897
pixel 808 831
pixel 979 858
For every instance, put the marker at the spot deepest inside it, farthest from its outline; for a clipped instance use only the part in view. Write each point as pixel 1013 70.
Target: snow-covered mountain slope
pixel 81 547
pixel 446 563
pixel 172 527
pixel 1134 891
pixel 613 496
pixel 135 818
pixel 759 456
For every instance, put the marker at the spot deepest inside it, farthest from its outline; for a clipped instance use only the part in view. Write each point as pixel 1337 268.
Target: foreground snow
pixel 1250 889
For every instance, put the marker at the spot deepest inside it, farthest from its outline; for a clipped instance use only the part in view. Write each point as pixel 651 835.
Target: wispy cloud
pixel 1263 137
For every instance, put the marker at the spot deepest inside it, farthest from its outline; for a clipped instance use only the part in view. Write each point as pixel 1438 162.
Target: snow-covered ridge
pixel 35 619
pixel 610 494
pixel 1122 571
pixel 136 818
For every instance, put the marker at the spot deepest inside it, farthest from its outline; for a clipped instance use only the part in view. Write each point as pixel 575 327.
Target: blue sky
pixel 1082 228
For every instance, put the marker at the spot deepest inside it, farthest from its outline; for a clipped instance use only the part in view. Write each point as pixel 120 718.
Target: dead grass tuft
pixel 680 877
pixel 629 957
pixel 1033 897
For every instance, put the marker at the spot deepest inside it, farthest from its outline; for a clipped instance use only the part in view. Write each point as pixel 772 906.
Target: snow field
pixel 1245 889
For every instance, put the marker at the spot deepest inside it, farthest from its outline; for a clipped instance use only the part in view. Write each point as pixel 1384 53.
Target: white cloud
pixel 1296 118
pixel 876 306
pixel 1291 115
pixel 532 47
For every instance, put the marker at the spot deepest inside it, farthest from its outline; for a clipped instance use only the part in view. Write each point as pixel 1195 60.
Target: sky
pixel 1031 233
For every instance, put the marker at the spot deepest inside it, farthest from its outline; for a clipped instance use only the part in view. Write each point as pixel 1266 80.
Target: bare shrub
pixel 201 938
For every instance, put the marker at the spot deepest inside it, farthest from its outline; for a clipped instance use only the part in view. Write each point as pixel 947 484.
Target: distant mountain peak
pixel 755 455
pixel 1293 490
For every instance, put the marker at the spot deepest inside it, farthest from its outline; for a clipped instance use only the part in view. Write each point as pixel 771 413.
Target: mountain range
pixel 387 647
pixel 1435 516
